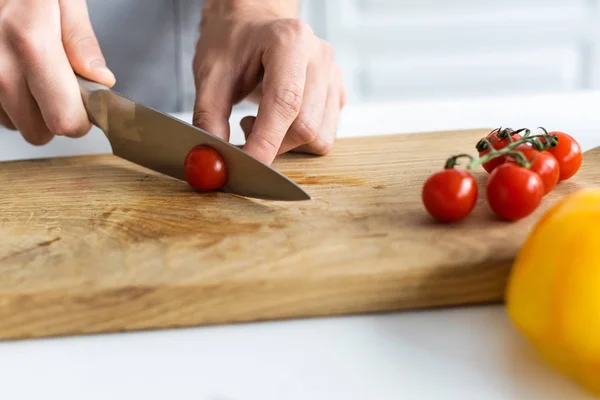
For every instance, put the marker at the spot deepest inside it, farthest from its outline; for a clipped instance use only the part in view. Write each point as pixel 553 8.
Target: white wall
pixel 415 49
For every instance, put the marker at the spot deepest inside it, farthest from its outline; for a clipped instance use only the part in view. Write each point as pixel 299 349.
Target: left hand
pixel 257 54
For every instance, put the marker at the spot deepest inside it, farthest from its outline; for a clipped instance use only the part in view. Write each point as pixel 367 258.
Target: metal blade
pixel 160 142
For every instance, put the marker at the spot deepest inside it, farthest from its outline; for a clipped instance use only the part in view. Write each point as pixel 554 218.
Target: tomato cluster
pixel 522 170
pixel 205 169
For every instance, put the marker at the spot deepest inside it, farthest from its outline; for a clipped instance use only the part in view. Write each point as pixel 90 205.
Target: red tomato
pixel 544 164
pixel 568 154
pixel 493 163
pixel 502 134
pixel 450 195
pixel 514 192
pixel 205 169
pixel 526 149
pixel 499 140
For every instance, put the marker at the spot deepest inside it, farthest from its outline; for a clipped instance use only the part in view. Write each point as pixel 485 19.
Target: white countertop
pixel 461 353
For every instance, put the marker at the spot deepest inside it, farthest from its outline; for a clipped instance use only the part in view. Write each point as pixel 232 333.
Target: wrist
pixel 267 8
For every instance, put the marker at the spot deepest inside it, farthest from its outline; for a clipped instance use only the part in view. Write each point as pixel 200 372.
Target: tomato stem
pixel 451 162
pixel 521 159
pixel 502 134
pixel 540 142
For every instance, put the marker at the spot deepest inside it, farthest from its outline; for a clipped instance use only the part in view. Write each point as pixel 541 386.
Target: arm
pixel 259 50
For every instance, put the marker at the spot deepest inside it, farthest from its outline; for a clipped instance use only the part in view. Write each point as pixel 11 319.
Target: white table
pixel 463 353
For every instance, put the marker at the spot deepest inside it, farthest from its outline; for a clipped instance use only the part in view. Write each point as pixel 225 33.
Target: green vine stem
pixel 540 142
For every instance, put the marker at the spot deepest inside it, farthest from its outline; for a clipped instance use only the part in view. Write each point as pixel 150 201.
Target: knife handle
pixel 89 86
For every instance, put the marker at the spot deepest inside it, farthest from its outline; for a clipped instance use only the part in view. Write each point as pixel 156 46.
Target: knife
pixel 160 142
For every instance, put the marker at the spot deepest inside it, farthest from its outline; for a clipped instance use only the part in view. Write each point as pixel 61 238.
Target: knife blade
pixel 160 142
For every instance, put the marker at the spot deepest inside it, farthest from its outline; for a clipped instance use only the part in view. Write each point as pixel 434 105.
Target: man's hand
pixel 42 45
pixel 254 49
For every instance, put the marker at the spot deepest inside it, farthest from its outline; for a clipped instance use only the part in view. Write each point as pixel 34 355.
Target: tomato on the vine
pixel 568 154
pixel 499 138
pixel 450 195
pixel 544 164
pixel 514 192
pixel 205 169
pixel 500 134
pixel 493 163
pixel 526 149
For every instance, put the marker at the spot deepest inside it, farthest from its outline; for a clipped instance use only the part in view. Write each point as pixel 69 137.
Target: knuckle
pixel 37 138
pixel 25 41
pixel 299 27
pixel 268 144
pixel 203 65
pixel 328 51
pixel 200 118
pixel 11 23
pixel 288 100
pixel 291 29
pixel 306 129
pixel 323 147
pixel 65 125
pixel 87 40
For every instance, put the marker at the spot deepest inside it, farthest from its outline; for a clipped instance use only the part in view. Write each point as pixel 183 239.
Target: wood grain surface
pixel 96 244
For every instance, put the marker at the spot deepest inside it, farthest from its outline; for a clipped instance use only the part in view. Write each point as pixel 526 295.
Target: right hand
pixel 43 44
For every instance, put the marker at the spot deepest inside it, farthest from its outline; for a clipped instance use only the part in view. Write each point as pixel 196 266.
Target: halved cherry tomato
pixel 568 154
pixel 450 194
pixel 499 138
pixel 544 164
pixel 205 169
pixel 514 192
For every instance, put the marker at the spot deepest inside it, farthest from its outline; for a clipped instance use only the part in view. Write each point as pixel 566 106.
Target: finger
pixel 283 88
pixel 215 87
pixel 323 143
pixel 343 96
pixel 256 94
pixel 5 120
pixel 338 77
pixel 81 45
pixel 48 73
pixel 20 106
pixel 306 127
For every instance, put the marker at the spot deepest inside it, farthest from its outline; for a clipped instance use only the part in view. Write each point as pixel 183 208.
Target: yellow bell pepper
pixel 553 292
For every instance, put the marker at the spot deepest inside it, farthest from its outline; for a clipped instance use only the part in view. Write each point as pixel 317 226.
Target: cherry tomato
pixel 205 169
pixel 493 163
pixel 526 149
pixel 499 140
pixel 450 194
pixel 544 164
pixel 502 134
pixel 514 192
pixel 568 154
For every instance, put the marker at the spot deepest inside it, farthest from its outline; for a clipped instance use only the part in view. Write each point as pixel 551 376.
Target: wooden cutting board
pixel 96 244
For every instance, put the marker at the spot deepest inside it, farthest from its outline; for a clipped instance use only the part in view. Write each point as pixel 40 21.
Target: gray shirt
pixel 149 45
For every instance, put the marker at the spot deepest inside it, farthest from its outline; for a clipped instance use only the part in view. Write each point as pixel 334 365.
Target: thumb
pixel 81 44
